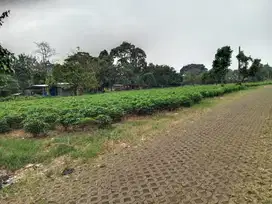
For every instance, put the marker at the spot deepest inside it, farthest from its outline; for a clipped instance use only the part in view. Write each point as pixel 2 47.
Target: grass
pixel 15 153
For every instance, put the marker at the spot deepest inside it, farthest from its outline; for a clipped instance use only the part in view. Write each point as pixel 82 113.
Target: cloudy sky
pixel 174 32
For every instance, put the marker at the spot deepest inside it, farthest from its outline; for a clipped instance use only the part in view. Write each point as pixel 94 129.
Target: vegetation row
pixel 41 115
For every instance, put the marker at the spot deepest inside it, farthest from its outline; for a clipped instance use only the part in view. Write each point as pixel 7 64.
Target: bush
pixel 103 121
pixel 69 120
pixel 116 113
pixel 84 122
pixel 15 121
pixel 51 119
pixel 36 127
pixel 4 127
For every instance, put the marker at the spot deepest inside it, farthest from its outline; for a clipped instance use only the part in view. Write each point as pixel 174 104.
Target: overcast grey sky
pixel 174 32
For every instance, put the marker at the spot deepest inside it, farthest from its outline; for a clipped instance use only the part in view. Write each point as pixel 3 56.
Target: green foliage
pixel 4 127
pixel 61 149
pixel 164 75
pixel 16 153
pixel 255 67
pixel 129 54
pixel 69 119
pixel 148 79
pixel 83 122
pixel 265 73
pixel 25 70
pixel 79 70
pixel 221 63
pixel 103 120
pixel 208 77
pixel 232 76
pixel 6 57
pixel 40 115
pixel 8 85
pixel 193 73
pixel 15 121
pixel 36 126
pixel 244 63
pixel 193 69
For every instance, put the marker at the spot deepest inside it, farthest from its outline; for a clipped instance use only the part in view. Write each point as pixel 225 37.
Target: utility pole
pixel 239 65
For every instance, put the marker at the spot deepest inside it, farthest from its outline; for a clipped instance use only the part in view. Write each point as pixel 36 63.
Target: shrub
pixel 51 119
pixel 103 120
pixel 84 122
pixel 36 127
pixel 116 113
pixel 15 121
pixel 69 120
pixel 4 127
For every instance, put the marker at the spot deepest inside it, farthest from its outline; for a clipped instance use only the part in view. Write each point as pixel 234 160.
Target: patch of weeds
pixel 89 151
pixel 16 153
pixel 61 149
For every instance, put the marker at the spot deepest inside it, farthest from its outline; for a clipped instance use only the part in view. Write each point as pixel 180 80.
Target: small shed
pixel 118 87
pixel 37 89
pixel 60 89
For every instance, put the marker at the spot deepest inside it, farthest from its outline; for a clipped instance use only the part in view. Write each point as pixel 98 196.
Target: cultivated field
pixel 37 116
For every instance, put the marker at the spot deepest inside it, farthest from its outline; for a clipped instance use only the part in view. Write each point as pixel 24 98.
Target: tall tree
pixel 6 57
pixel 194 69
pixel 164 75
pixel 192 73
pixel 25 70
pixel 44 53
pixel 265 73
pixel 79 70
pixel 108 74
pixel 255 67
pixel 208 77
pixel 79 78
pixel 244 63
pixel 127 53
pixel 221 63
pixel 130 61
pixel 148 79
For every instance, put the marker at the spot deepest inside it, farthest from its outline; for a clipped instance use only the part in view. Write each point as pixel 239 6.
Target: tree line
pixel 125 64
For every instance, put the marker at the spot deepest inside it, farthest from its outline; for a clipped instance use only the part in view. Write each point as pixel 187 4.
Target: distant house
pixel 37 89
pixel 121 87
pixel 118 87
pixel 60 89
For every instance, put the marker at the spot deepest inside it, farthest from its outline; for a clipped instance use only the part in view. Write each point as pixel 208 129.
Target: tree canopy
pixel 6 57
pixel 221 63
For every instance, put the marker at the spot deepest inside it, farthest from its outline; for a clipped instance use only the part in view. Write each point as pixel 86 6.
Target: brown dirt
pixel 223 157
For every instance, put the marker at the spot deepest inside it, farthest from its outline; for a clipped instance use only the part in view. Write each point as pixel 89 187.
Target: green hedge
pixel 41 115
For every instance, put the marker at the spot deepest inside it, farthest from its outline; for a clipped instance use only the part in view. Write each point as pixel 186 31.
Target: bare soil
pixel 223 156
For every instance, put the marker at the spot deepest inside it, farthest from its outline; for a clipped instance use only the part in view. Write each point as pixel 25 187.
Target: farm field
pixel 38 116
pixel 219 155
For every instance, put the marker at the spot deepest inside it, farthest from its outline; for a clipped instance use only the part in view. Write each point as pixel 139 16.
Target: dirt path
pixel 223 157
